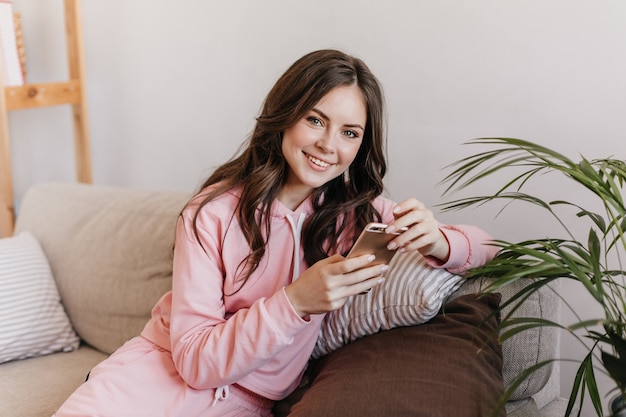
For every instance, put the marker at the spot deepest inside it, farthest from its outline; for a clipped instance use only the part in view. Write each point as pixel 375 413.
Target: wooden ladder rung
pixel 40 95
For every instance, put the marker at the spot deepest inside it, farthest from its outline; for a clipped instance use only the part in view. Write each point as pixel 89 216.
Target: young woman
pixel 259 255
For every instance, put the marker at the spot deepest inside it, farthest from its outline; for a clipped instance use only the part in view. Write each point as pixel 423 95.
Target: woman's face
pixel 322 145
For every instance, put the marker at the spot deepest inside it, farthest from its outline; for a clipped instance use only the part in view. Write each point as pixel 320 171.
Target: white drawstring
pixel 296 229
pixel 221 394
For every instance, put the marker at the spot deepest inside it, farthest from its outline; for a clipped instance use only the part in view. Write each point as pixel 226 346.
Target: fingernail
pixel 384 268
pixel 371 258
pixel 390 229
pixel 391 246
pixel 380 280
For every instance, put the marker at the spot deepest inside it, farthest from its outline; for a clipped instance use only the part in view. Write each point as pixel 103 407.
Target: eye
pixel 314 121
pixel 351 134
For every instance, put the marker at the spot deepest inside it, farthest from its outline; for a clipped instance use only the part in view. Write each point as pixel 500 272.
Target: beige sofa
pixel 110 253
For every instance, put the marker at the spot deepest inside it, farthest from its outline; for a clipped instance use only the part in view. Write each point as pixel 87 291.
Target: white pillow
pixel 412 293
pixel 32 319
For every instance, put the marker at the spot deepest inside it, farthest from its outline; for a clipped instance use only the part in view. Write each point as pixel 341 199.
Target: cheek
pixel 296 137
pixel 349 152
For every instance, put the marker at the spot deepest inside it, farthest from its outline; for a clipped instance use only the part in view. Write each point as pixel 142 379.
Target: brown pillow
pixel 449 366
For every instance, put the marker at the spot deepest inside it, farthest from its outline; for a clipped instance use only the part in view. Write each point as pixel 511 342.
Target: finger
pixel 364 274
pixel 352 264
pixel 429 236
pixel 420 243
pixel 404 219
pixel 407 205
pixel 364 287
pixel 412 234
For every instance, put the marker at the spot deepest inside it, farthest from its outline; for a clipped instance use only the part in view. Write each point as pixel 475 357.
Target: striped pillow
pixel 412 293
pixel 32 319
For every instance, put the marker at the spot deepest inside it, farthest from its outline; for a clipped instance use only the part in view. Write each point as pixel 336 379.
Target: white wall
pixel 173 86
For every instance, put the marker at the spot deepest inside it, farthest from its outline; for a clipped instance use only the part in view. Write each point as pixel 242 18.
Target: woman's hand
pixel 327 284
pixel 422 232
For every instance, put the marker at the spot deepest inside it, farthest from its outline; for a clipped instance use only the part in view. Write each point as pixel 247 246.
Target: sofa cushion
pixel 450 366
pixel 109 286
pixel 32 319
pixel 38 386
pixel 412 293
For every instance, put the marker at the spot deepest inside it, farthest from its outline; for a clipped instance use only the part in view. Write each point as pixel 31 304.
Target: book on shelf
pixel 12 73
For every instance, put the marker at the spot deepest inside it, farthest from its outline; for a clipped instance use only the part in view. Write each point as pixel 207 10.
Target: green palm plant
pixel 594 263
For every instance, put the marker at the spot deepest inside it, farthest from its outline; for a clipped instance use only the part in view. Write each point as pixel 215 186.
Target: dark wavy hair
pixel 260 168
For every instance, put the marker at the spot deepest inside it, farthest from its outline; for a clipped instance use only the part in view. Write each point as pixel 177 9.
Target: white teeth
pixel 318 162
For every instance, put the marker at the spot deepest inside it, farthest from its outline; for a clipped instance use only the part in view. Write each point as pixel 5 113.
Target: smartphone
pixel 374 240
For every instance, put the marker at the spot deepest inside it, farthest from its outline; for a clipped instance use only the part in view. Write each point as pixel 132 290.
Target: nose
pixel 326 142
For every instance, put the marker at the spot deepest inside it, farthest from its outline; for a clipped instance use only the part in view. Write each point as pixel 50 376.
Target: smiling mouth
pixel 318 162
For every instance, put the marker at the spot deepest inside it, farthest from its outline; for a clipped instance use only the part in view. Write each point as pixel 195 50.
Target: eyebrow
pixel 324 116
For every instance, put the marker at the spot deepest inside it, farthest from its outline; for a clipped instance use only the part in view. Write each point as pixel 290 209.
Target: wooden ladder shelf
pixel 30 96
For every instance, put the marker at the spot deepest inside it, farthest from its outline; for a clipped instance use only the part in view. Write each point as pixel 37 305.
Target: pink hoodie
pixel 253 337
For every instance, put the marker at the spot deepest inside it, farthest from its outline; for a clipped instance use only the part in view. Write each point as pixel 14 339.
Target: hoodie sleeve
pixel 211 348
pixel 469 248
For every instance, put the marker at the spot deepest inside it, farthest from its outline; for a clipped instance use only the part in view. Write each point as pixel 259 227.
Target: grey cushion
pixel 522 408
pixel 531 346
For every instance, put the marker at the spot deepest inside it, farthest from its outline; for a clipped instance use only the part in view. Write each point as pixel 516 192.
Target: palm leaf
pixel 585 261
pixel 584 381
pixel 518 325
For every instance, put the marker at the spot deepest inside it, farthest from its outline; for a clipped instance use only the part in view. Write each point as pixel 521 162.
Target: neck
pixel 292 197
